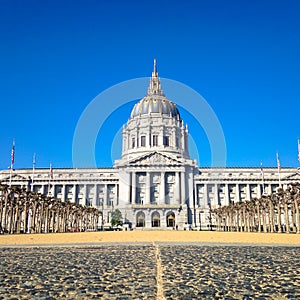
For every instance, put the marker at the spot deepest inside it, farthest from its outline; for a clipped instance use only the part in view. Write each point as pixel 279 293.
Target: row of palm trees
pixel 278 212
pixel 23 211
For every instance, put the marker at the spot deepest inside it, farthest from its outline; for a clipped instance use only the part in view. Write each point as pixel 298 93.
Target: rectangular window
pixel 143 141
pixel 132 142
pixel 155 140
pixel 166 141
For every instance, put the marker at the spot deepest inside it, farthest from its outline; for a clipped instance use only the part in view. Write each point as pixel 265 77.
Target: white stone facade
pixel 155 184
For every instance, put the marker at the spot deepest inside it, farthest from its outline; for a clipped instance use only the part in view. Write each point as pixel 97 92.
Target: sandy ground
pixel 151 236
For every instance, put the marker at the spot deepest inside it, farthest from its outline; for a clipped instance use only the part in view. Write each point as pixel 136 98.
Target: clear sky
pixel 241 56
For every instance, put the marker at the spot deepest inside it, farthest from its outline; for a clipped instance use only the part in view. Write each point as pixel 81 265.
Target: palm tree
pixel 5 191
pixel 286 206
pixel 264 214
pixel 251 215
pixel 25 211
pixel 297 204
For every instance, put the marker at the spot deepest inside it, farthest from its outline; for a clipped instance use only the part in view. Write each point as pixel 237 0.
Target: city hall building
pixel 155 184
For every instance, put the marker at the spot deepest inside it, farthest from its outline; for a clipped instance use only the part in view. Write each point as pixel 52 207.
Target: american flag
pixel 51 171
pixel 13 153
pixel 278 162
pixel 262 171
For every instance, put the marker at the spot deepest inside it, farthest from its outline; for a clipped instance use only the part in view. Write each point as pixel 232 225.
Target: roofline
pixel 255 167
pixel 81 168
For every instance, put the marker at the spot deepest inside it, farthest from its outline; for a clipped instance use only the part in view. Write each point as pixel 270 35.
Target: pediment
pixel 154 158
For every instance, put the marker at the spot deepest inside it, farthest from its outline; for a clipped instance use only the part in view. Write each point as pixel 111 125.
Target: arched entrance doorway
pixel 155 219
pixel 171 219
pixel 140 219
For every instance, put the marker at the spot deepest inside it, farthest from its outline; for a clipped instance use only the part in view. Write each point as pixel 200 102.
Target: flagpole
pixel 262 176
pixel 278 168
pixel 50 177
pixel 12 162
pixel 33 170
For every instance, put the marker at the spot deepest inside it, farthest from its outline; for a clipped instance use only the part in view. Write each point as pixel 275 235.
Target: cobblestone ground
pixel 108 272
pixel 129 272
pixel 194 272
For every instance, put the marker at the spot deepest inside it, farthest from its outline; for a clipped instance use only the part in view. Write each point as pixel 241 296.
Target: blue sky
pixel 241 56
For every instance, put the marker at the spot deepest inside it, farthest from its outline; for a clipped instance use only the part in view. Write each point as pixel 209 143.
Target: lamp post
pixel 210 220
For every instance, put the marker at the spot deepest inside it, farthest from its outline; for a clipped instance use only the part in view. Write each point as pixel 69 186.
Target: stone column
pixel 163 221
pixel 52 189
pixel 216 197
pixel 117 194
pixel 183 195
pixel 237 193
pixel 270 188
pixel 196 205
pixel 105 196
pixel 258 190
pixel 161 138
pixel 148 188
pixel 136 140
pixel 43 191
pixel 182 139
pixel 248 194
pixel 133 188
pixel 162 188
pixel 148 138
pixel 63 193
pixel 226 194
pixel 84 196
pixel 95 196
pixel 205 196
pixel 173 142
pixel 74 193
pixel 129 183
pixel 177 188
pixel 128 141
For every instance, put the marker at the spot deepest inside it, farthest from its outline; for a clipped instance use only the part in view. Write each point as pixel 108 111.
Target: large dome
pixel 155 104
pixel 155 101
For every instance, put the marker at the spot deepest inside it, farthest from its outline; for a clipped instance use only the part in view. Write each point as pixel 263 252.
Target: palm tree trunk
pixel 271 216
pixel 264 217
pixel 11 221
pixel 297 215
pixel 293 212
pixel 258 219
pixel 5 212
pixel 25 217
pixel 286 216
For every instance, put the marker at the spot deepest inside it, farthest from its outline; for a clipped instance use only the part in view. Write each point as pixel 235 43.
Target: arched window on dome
pixel 143 141
pixel 133 143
